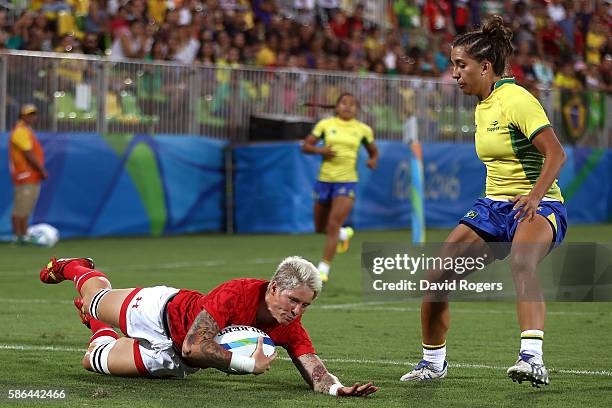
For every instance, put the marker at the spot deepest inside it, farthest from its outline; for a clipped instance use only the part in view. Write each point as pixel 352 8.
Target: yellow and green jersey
pixel 344 137
pixel 506 123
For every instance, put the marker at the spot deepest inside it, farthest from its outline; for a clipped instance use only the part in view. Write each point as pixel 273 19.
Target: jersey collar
pixel 497 85
pixel 504 81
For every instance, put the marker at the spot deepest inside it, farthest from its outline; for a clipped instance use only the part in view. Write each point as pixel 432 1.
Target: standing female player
pixel 342 135
pixel 523 203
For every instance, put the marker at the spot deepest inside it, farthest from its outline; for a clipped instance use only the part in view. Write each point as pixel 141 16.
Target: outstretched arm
pixel 316 375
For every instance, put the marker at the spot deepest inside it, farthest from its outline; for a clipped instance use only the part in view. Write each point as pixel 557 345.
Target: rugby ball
pixel 243 340
pixel 43 235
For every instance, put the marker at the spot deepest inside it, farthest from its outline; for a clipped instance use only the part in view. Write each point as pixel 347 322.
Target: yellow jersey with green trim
pixel 344 137
pixel 506 123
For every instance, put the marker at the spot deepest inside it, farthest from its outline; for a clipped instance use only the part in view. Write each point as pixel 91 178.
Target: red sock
pixel 74 268
pixel 80 274
pixel 100 329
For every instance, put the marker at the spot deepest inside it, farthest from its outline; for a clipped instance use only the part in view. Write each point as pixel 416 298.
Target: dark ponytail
pixel 492 42
pixel 330 106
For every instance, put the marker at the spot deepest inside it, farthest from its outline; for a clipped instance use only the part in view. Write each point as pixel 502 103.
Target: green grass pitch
pixel 41 338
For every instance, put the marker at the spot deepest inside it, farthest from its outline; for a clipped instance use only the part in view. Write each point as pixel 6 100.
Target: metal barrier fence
pixel 82 93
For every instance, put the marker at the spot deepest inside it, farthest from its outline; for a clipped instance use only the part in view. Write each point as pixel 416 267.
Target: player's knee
pixel 92 301
pixel 333 227
pixel 93 286
pixel 522 265
pixel 85 362
pixel 98 356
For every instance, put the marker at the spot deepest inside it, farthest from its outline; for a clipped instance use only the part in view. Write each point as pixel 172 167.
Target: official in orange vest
pixel 27 166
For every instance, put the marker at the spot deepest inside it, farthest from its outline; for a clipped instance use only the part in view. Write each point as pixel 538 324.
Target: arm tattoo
pixel 314 372
pixel 199 348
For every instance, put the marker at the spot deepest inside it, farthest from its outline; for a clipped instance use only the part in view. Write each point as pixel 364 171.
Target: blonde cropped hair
pixel 295 271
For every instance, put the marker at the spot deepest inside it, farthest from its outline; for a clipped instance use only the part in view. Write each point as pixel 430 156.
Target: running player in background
pixel 523 204
pixel 169 332
pixel 342 136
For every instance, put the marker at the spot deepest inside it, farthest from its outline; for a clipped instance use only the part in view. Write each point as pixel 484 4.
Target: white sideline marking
pixel 183 264
pixel 25 347
pixel 166 265
pixel 378 306
pixel 367 306
pixel 45 301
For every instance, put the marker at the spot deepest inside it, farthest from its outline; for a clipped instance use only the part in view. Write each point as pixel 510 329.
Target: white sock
pixel 435 354
pixel 323 267
pixel 98 357
pixel 531 343
pixel 343 234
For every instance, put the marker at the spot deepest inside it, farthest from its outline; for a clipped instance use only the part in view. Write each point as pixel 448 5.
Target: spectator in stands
pixel 326 10
pixel 39 39
pixel 159 51
pixel 97 19
pixel 605 70
pixel 543 70
pixel 157 10
pixel 523 23
pixel 119 22
pixel 339 25
pixel 20 35
pixel 91 44
pixel 551 41
pixel 131 41
pixel 428 65
pixel 406 14
pixel 596 39
pixel 462 16
pixel 437 14
pixel 521 64
pixel 223 43
pixel 568 25
pixel 556 10
pixel 266 56
pixel 442 51
pixel 356 20
pixel 304 11
pixel 68 44
pixel 188 44
pixel 207 53
pixel 592 78
pixel 356 44
pixel 566 78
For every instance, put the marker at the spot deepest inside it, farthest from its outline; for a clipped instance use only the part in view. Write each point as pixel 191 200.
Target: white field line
pixel 165 265
pixel 25 347
pixel 36 301
pixel 379 306
pixel 367 306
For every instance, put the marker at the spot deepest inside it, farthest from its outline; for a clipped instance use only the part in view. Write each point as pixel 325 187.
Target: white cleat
pixel 425 371
pixel 527 368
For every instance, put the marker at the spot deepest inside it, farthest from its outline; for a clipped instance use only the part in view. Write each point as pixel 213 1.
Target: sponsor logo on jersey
pixel 493 127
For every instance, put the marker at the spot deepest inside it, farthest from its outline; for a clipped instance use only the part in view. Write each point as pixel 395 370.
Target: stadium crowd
pixel 562 43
